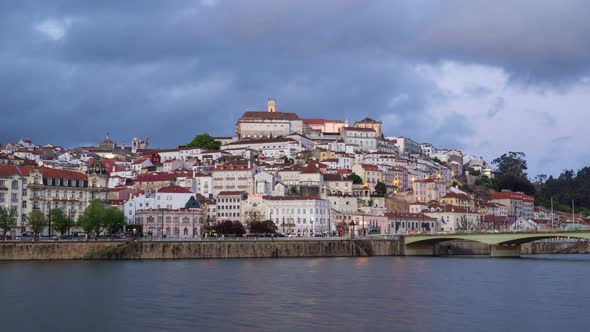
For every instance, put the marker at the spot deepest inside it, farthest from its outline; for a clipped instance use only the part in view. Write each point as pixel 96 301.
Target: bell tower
pixel 271 105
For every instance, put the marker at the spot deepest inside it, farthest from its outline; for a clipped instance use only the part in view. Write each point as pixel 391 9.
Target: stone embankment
pixel 476 248
pixel 198 249
pixel 14 251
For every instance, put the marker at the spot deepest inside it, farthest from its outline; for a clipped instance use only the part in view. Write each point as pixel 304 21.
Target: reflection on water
pixel 535 293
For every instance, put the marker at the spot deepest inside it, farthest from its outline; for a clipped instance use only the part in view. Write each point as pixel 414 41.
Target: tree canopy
pixel 263 227
pixel 203 141
pixel 511 173
pixel 380 189
pixel 230 228
pixel 356 179
pixel 59 220
pixel 568 186
pixel 98 217
pixel 7 220
pixel 36 221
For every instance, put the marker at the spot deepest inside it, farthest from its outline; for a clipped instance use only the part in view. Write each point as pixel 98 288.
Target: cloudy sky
pixel 471 75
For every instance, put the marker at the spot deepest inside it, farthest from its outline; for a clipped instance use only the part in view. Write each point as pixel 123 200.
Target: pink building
pixel 360 224
pixel 172 223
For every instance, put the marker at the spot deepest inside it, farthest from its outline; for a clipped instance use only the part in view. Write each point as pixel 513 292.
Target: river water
pixel 535 293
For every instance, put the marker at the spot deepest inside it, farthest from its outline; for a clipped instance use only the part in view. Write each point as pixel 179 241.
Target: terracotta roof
pixel 231 193
pixel 406 215
pixel 269 116
pixel 358 129
pixel 10 170
pixel 175 190
pixel 335 177
pixel 232 167
pixel 370 167
pixel 368 120
pixel 514 196
pixel 321 121
pixel 156 177
pixel 455 195
pixel 312 167
pixel 291 198
pixel 262 141
pixel 61 174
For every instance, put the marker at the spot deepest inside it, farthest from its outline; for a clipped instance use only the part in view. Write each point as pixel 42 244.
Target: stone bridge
pixel 501 244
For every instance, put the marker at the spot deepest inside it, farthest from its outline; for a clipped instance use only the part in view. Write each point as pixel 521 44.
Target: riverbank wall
pixel 105 250
pixel 14 251
pixel 450 248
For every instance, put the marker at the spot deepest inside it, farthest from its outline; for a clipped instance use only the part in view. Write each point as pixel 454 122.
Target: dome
pixel 192 203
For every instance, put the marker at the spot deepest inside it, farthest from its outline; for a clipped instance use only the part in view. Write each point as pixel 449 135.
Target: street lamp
pixel 352 233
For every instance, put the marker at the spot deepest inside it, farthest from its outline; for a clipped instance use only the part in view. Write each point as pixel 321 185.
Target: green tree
pixel 355 178
pixel 203 141
pixel 511 163
pixel 380 189
pixel 113 219
pixel 511 173
pixel 263 227
pixel 7 220
pixel 230 228
pixel 59 220
pixel 92 218
pixel 36 221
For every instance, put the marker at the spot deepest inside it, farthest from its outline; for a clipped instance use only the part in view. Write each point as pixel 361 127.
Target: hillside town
pixel 310 177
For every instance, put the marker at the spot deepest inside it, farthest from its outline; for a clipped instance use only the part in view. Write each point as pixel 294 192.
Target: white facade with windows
pixel 304 216
pixel 162 199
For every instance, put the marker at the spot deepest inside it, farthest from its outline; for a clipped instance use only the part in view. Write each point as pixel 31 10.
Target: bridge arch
pixel 501 244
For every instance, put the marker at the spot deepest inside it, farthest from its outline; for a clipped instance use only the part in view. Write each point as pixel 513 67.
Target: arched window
pixel 185 232
pixel 186 220
pixel 167 230
pixel 14 185
pixel 150 219
pixel 176 231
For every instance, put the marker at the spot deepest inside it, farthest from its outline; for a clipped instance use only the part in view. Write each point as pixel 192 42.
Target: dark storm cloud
pixel 72 70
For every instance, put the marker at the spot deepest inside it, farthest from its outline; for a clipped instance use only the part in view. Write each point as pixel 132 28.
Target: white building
pixel 233 177
pixel 171 197
pixel 305 215
pixel 271 148
pixel 405 145
pixel 270 124
pixel 229 205
pixel 365 139
pixel 203 184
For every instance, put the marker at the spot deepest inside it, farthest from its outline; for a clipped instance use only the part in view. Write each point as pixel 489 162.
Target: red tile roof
pixel 406 215
pixel 370 167
pixel 513 195
pixel 175 190
pixel 262 141
pixel 269 116
pixel 54 173
pixel 231 193
pixel 358 129
pixel 311 168
pixel 156 177
pixel 232 167
pixel 335 177
pixel 291 198
pixel 10 170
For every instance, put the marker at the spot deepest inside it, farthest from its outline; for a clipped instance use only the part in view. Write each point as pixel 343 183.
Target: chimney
pixel 271 105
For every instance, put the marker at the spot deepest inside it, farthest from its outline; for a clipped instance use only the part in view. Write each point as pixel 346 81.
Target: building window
pixel 14 185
